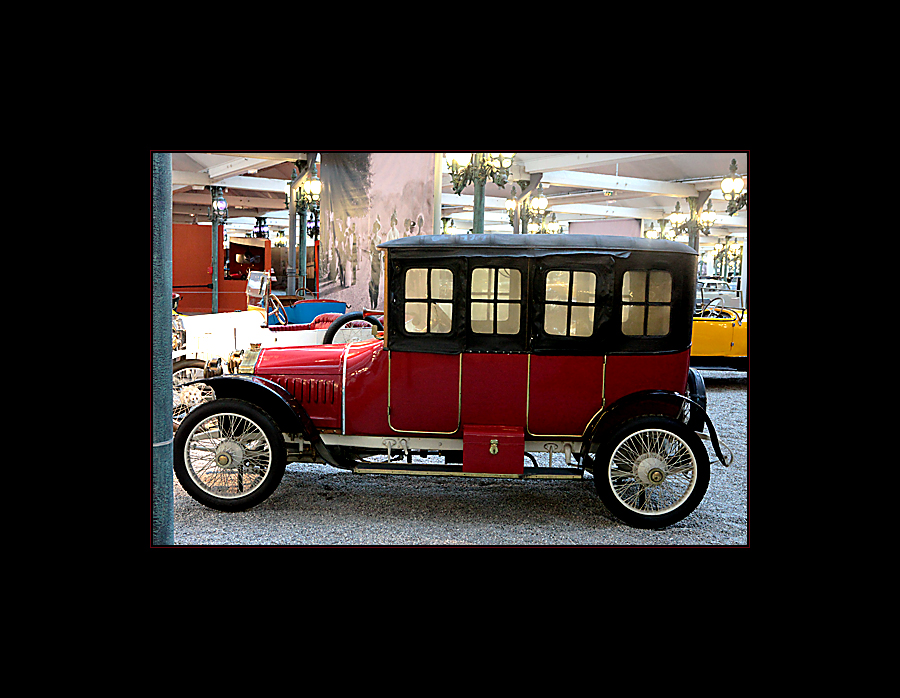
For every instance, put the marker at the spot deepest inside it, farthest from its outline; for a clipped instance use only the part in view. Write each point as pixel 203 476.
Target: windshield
pixel 257 288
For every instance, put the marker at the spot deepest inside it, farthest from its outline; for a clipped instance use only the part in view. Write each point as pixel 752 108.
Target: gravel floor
pixel 319 505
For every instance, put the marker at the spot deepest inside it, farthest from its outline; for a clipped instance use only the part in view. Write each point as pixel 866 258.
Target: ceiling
pixel 581 186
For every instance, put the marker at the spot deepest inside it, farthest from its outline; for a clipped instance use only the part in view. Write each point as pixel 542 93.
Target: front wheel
pixel 229 455
pixel 652 472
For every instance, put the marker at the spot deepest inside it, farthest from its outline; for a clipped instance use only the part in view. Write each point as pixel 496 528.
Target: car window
pixel 496 300
pixel 646 302
pixel 569 303
pixel 429 301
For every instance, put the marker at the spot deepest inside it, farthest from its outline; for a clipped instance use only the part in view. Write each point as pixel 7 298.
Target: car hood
pixel 320 359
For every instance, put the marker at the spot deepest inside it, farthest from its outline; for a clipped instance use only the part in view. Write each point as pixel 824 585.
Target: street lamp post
pixel 218 214
pixel 301 197
pixel 310 191
pixel 536 208
pixel 466 169
pixel 733 190
pixel 695 222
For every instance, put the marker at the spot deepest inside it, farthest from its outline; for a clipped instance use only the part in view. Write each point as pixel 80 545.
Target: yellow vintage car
pixel 720 338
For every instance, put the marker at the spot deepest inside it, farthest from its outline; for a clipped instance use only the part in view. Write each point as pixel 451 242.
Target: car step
pixel 441 469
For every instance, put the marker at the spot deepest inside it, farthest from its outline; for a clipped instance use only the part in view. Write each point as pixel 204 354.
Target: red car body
pixel 494 346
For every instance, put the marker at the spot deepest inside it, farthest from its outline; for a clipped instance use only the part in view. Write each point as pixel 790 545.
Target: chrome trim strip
pixel 344 391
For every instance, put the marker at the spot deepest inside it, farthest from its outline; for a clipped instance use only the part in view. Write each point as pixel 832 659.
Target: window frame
pixel 603 267
pixel 429 301
pixel 397 337
pixel 489 343
pixel 494 301
pixel 569 303
pixel 646 304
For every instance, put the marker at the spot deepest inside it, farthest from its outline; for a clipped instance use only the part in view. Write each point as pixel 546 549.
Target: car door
pixel 714 334
pixel 424 348
pixel 495 362
pixel 571 313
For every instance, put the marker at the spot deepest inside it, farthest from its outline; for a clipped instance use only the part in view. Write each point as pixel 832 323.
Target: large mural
pixel 368 198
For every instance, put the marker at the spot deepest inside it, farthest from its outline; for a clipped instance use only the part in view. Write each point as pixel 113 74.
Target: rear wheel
pixel 652 472
pixel 229 455
pixel 186 398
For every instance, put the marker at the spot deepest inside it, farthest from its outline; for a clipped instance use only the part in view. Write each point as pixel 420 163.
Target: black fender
pixel 289 415
pixel 646 402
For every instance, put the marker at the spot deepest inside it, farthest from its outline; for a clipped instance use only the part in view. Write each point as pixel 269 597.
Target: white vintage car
pixel 708 289
pixel 212 344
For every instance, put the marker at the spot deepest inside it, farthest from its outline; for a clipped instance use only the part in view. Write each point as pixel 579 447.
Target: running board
pixel 441 469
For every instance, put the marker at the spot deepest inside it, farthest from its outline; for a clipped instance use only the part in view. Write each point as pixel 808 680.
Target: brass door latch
pixel 494 448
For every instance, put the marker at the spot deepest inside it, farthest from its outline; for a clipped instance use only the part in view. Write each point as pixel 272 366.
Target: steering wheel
pixel 349 317
pixel 280 312
pixel 708 311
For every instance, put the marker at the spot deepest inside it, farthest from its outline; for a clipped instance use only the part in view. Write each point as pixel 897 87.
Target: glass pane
pixel 557 287
pixel 633 286
pixel 483 318
pixel 508 318
pixel 583 285
pixel 582 324
pixel 440 317
pixel 416 317
pixel 660 287
pixel 417 283
pixel 483 283
pixel 509 286
pixel 632 318
pixel 442 284
pixel 555 318
pixel 658 319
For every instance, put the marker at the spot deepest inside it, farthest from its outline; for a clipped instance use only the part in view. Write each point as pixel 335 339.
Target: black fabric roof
pixel 516 245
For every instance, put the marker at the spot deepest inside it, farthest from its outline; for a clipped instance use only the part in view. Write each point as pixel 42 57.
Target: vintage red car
pixel 494 347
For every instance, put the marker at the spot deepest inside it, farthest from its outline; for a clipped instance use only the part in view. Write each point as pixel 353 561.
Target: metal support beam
pixel 162 492
pixel 215 264
pixel 478 200
pixel 292 235
pixel 696 203
pixel 518 220
pixel 297 177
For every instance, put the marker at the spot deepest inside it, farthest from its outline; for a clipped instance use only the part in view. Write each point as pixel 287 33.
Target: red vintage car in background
pixel 494 347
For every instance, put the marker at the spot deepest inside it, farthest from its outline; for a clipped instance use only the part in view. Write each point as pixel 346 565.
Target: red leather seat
pixel 320 322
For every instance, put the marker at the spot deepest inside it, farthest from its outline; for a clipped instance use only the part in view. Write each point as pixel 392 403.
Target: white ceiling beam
pixel 738 220
pixel 608 211
pixel 549 162
pixel 717 195
pixel 591 180
pixel 236 166
pixel 652 214
pixel 283 157
pixel 203 198
pixel 181 179
pixel 469 200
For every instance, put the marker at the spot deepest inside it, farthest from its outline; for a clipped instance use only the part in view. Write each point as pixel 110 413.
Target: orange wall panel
pixel 191 259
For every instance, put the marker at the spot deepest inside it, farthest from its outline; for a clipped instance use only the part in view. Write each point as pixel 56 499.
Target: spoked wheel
pixel 652 472
pixel 187 397
pixel 229 455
